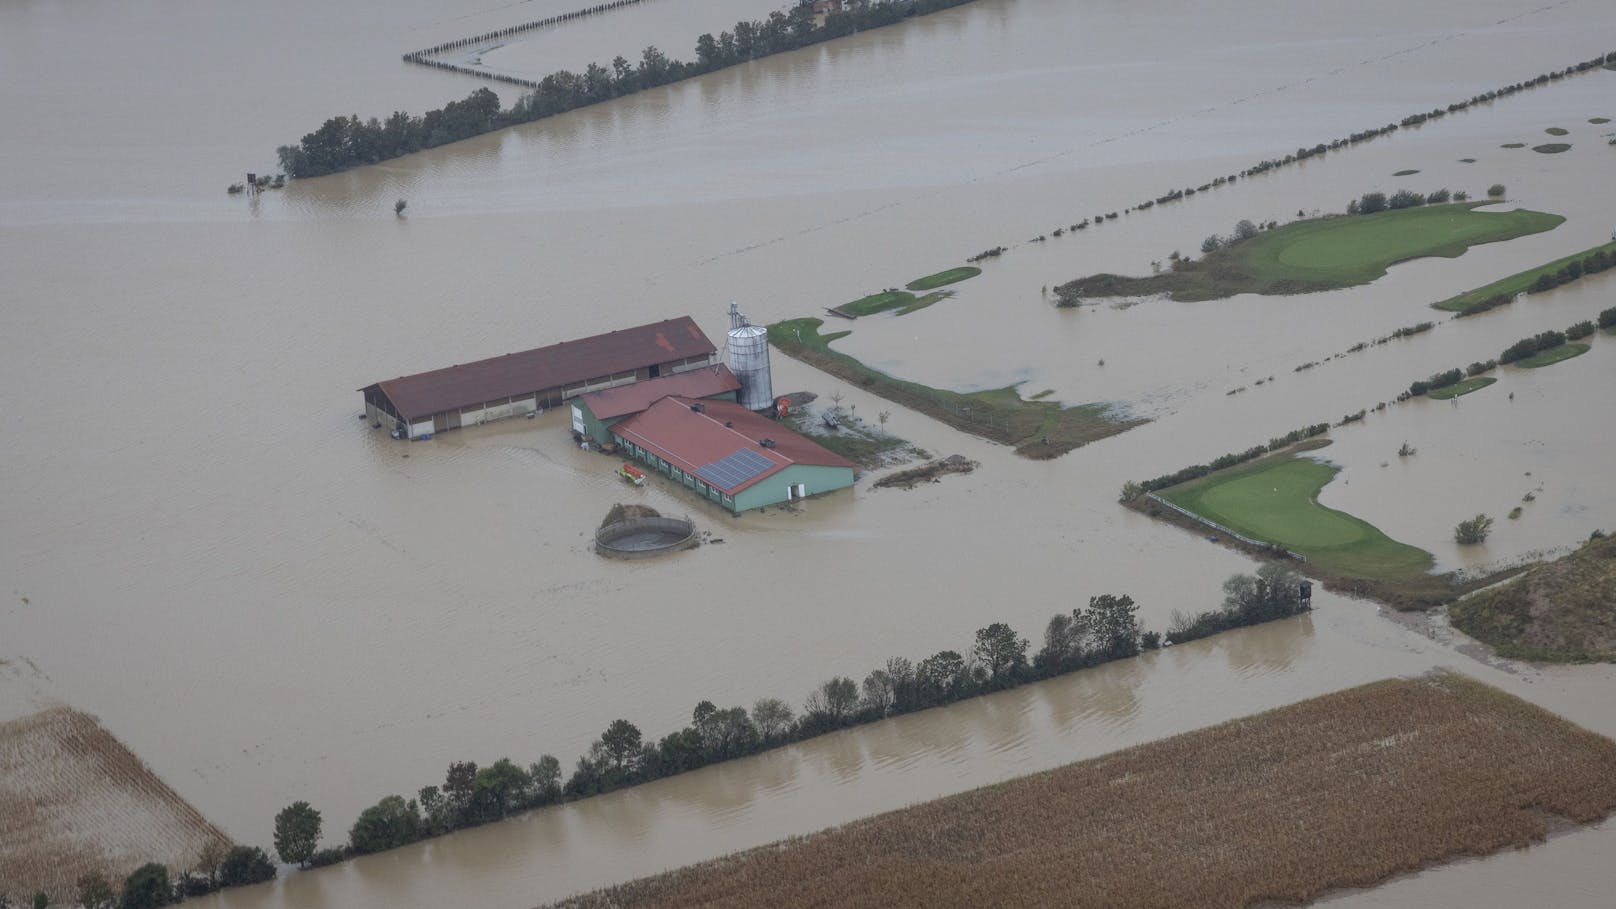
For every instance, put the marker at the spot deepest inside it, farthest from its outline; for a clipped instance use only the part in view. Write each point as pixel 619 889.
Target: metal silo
pixel 749 360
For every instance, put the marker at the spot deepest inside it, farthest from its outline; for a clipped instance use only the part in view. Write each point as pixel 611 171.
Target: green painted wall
pixel 776 489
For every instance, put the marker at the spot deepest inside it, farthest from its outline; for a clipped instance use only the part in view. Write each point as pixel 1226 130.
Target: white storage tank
pixel 749 360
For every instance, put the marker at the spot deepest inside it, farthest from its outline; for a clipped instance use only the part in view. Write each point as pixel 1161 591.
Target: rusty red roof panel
pixel 691 440
pixel 555 366
pixel 696 383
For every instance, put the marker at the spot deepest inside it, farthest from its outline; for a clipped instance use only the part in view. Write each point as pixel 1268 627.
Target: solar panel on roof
pixel 734 469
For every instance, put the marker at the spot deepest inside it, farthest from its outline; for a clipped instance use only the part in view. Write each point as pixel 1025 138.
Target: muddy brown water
pixel 269 601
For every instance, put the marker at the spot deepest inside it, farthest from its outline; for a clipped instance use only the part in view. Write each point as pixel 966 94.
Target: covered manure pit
pixel 632 533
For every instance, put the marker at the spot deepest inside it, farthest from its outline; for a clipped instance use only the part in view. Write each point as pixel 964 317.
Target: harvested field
pixel 73 800
pixel 1344 790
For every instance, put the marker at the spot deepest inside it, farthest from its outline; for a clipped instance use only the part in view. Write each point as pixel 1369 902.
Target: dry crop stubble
pixel 74 800
pixel 1344 790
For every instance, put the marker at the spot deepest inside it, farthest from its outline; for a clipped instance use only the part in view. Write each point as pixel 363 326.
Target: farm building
pixel 729 454
pixel 593 414
pixel 521 383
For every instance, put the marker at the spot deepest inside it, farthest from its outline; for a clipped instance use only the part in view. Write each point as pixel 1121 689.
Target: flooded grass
pixel 1344 790
pixel 1276 501
pixel 942 278
pixel 74 800
pixel 1564 611
pixel 1037 429
pixel 1517 283
pixel 1325 253
pixel 1553 355
pixel 887 300
pixel 1460 389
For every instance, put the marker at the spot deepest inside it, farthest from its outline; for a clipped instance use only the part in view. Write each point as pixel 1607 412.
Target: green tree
pixel 497 787
pixel 545 779
pixel 1244 229
pixel 458 781
pixel 41 900
pixel 95 891
pixel 1272 593
pixel 1473 531
pixel 297 833
pixel 389 823
pixel 1113 625
pixel 1000 652
pixel 147 887
pixel 834 700
pixel 1496 190
pixel 621 743
pixel 939 676
pixel 878 696
pixel 772 717
pixel 245 865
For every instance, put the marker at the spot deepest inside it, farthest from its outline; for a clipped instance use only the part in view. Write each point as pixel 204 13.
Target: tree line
pixel 1105 629
pixel 1134 489
pixel 1520 350
pixel 344 142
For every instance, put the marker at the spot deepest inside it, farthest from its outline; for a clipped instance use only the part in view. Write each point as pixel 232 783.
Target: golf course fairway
pixel 1276 500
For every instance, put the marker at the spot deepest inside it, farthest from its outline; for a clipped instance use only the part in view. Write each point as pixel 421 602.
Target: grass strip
pixel 1345 790
pixel 1475 383
pixel 998 414
pixel 1326 253
pixel 1553 355
pixel 942 278
pixel 1517 283
pixel 1275 500
pixel 901 300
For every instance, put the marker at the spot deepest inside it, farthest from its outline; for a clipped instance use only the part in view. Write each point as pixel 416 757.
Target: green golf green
pixel 1324 253
pixel 942 278
pixel 1276 500
pixel 1475 383
pixel 1553 355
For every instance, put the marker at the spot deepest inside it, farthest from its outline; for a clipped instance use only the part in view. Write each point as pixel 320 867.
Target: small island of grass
pixel 1475 383
pixel 942 278
pixel 901 300
pixel 1553 355
pixel 1467 160
pixel 1405 173
pixel 1557 131
pixel 1322 253
pixel 1038 429
pixel 1513 145
pixel 1598 121
pixel 1552 148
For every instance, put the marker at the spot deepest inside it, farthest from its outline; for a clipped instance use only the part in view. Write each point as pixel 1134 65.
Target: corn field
pixel 73 800
pixel 1344 790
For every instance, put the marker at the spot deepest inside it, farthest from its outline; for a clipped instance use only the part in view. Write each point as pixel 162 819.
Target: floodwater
pixel 269 601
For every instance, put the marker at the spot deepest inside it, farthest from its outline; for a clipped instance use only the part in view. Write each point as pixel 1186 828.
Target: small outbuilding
pixel 730 455
pixel 521 383
pixel 595 413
